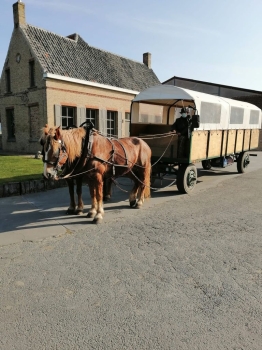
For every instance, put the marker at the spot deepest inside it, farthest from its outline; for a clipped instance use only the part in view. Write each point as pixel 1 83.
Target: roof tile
pixel 72 57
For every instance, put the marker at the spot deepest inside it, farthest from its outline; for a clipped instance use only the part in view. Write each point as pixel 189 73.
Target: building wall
pixel 34 107
pixel 213 89
pixel 24 100
pixel 83 96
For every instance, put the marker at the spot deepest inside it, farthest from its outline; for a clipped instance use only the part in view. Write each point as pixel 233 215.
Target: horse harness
pixel 86 154
pixel 110 139
pixel 61 158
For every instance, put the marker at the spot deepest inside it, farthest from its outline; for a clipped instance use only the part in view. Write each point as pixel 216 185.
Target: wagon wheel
pixel 206 164
pixel 242 162
pixel 186 178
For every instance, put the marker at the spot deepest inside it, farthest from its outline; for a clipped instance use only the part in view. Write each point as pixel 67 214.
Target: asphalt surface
pixel 184 272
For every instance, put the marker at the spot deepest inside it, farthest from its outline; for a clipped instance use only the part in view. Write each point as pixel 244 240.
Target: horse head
pixel 55 155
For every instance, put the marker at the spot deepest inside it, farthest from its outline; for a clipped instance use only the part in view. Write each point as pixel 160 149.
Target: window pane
pixel 8 80
pixel 64 122
pixel 111 122
pixel 70 112
pixel 32 73
pixel 254 117
pixel 236 115
pixel 10 121
pixel 210 113
pixel 64 111
pixel 91 115
pixel 70 122
pixel 68 117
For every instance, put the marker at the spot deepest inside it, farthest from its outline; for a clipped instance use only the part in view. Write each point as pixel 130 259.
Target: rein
pixel 62 154
pixel 110 161
pixel 85 141
pixel 87 144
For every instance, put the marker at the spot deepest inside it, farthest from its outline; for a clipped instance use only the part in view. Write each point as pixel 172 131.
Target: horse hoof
pixel 97 221
pixel 133 204
pixel 70 211
pixel 91 215
pixel 79 212
pixel 106 198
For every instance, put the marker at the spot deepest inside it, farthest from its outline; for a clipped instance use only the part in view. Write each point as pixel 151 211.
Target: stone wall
pixel 23 99
pixel 19 188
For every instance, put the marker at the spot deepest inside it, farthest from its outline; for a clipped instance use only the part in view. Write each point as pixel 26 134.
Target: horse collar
pixel 90 143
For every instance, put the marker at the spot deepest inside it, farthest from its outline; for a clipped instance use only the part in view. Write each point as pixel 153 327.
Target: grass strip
pixel 20 168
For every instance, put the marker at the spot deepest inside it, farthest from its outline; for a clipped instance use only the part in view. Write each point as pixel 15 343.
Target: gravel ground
pixel 183 275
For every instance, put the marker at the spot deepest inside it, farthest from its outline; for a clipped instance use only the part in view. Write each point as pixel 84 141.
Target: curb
pixel 19 188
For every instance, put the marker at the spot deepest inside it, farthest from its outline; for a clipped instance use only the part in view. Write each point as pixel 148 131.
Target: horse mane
pixel 72 139
pixel 46 130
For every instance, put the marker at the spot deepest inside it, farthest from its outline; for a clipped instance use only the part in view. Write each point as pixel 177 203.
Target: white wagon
pixel 225 130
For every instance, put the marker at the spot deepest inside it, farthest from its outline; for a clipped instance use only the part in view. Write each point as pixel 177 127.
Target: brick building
pixel 48 78
pixel 251 96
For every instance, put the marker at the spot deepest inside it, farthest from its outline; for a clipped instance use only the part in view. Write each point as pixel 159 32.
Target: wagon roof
pixel 168 94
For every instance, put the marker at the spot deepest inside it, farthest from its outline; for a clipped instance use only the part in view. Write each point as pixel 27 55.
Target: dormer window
pixel 8 80
pixel 32 73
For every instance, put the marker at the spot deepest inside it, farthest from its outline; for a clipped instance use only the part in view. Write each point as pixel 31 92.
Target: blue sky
pixel 218 41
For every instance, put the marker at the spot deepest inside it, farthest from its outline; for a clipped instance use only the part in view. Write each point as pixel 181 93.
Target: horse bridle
pixel 61 158
pixel 62 153
pixel 87 144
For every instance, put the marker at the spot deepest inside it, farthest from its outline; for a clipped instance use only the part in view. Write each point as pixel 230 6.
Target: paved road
pixel 184 272
pixel 39 215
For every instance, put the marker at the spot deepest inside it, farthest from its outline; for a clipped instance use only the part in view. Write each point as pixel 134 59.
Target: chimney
pixel 19 13
pixel 147 59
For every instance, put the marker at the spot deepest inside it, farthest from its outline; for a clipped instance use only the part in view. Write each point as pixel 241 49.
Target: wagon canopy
pixel 215 112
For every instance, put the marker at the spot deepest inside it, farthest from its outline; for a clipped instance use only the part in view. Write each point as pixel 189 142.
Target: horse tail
pixel 147 180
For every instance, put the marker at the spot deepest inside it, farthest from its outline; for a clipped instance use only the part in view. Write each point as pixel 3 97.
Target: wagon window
pixel 254 117
pixel 143 118
pixel 150 113
pixel 236 115
pixel 210 113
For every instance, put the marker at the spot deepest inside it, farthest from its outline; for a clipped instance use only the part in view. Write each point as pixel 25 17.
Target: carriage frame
pixel 225 131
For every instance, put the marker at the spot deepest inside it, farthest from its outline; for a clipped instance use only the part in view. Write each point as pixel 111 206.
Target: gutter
pixel 88 83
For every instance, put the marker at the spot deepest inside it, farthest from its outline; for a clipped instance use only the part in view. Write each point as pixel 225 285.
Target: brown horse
pixel 74 208
pixel 97 157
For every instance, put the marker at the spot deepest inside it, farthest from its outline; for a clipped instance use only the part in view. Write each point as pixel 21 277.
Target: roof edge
pixel 89 83
pixel 213 84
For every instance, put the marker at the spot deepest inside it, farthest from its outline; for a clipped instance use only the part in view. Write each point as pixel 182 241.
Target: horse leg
pixel 140 196
pixel 72 206
pixel 107 189
pixel 144 185
pixel 92 212
pixel 133 195
pixel 80 204
pixel 99 197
